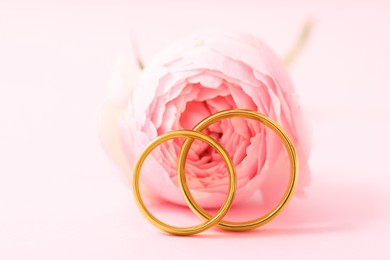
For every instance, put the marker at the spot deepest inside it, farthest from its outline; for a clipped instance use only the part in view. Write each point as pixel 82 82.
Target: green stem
pixel 134 45
pixel 300 43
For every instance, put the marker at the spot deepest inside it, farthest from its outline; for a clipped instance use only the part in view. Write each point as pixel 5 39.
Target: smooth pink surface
pixel 61 198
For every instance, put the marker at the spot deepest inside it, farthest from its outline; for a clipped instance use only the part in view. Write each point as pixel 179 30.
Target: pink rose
pixel 194 78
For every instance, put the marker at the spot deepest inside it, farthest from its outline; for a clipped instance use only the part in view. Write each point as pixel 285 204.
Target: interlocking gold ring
pixel 210 221
pixel 241 226
pixel 218 218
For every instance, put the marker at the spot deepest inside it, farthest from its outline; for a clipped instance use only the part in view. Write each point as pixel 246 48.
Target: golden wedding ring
pixel 196 133
pixel 181 177
pixel 241 226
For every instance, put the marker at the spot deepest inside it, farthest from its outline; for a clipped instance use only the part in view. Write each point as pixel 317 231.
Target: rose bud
pixel 193 79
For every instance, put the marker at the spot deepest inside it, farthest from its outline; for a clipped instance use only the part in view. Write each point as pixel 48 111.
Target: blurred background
pixel 62 198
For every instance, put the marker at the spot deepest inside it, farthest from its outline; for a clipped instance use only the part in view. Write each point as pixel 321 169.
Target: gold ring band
pixel 210 221
pixel 241 226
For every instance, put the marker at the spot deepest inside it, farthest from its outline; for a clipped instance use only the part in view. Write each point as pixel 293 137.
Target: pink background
pixel 61 198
